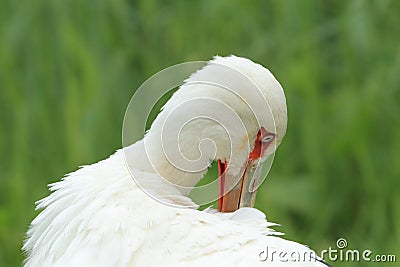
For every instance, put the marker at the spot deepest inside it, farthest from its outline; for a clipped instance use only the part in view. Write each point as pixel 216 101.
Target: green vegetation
pixel 69 68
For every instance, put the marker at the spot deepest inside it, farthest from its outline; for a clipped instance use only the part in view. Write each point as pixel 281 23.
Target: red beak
pixel 242 194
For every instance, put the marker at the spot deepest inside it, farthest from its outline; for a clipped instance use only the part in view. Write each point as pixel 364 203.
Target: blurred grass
pixel 68 69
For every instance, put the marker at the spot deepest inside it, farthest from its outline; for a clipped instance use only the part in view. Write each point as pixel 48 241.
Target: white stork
pixel 99 216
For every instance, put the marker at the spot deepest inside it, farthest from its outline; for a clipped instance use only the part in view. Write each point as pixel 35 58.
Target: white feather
pixel 97 216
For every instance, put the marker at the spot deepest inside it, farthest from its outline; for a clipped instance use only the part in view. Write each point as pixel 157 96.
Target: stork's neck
pixel 145 162
pixel 181 162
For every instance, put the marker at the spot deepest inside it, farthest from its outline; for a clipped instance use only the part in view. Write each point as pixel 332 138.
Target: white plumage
pixel 98 216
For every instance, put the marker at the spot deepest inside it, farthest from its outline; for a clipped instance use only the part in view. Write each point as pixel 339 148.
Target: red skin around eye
pixel 259 147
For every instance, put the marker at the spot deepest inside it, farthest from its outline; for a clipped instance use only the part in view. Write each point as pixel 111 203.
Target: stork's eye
pixel 267 139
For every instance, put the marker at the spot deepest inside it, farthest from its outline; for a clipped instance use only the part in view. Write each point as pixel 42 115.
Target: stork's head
pixel 232 111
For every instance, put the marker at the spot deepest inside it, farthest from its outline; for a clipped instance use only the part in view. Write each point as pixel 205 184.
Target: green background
pixel 69 68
